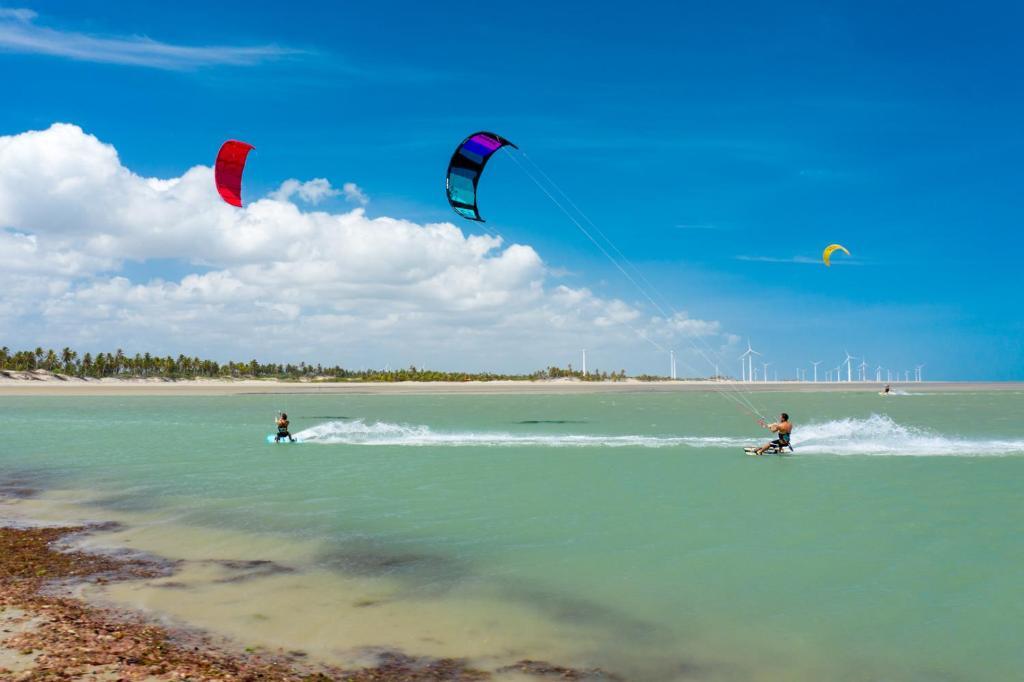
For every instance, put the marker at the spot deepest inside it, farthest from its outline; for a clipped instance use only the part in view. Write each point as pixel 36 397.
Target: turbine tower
pixel 816 363
pixel 878 374
pixel 863 367
pixel 748 355
pixel 672 364
pixel 584 362
pixel 917 373
pixel 765 377
pixel 849 366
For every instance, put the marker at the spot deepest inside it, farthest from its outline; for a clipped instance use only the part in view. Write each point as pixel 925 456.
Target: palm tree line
pixel 146 365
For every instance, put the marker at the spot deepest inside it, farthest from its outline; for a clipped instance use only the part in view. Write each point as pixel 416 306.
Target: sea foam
pixel 358 432
pixel 874 435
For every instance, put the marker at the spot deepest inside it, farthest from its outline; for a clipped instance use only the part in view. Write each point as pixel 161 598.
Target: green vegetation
pixel 145 365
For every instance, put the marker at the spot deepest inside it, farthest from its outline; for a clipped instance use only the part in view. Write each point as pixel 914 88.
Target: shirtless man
pixel 282 429
pixel 783 428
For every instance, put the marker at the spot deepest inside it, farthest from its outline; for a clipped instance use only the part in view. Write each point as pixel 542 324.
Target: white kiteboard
pixel 752 451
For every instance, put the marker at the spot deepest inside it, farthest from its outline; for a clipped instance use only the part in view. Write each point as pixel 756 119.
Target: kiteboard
pixel 883 393
pixel 752 451
pixel 271 437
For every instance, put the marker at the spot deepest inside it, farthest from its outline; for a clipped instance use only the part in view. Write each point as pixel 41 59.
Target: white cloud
pixel 354 194
pixel 681 325
pixel 312 191
pixel 17 14
pixel 798 260
pixel 19 32
pixel 273 280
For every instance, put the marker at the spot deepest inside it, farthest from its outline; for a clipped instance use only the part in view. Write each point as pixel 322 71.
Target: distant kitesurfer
pixel 888 388
pixel 282 429
pixel 783 428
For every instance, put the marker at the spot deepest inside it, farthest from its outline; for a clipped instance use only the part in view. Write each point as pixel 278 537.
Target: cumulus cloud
pixel 681 325
pixel 273 280
pixel 19 32
pixel 354 194
pixel 312 191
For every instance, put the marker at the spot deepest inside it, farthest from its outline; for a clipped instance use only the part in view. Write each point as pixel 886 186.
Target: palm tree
pixel 67 356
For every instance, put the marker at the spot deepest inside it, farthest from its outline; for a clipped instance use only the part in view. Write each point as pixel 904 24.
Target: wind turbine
pixel 849 366
pixel 749 356
pixel 863 367
pixel 917 372
pixel 838 371
pixel 878 374
pixel 764 378
pixel 816 363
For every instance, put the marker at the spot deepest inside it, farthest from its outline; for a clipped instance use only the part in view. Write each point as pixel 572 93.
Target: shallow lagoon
pixel 626 531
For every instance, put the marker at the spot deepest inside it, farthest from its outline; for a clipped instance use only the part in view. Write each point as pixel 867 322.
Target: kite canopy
pixel 465 168
pixel 227 172
pixel 827 253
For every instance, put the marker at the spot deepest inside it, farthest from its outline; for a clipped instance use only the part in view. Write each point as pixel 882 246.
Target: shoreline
pixel 49 631
pixel 64 572
pixel 223 387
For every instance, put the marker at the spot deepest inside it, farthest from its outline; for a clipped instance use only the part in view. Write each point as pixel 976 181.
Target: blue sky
pixel 717 147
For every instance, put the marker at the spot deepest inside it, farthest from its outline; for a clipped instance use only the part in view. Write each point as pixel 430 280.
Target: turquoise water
pixel 632 525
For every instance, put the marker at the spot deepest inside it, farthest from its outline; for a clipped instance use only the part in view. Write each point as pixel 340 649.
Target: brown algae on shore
pixel 50 635
pixel 47 634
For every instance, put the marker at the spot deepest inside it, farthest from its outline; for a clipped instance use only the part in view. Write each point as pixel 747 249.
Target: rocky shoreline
pixel 46 633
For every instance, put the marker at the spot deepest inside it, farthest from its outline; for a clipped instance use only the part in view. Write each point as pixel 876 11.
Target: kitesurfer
pixel 783 428
pixel 282 429
pixel 888 388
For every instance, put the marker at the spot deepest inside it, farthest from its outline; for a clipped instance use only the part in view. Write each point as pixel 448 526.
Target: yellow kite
pixel 827 253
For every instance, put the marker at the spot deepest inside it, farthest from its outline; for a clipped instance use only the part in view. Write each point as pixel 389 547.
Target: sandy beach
pixel 44 383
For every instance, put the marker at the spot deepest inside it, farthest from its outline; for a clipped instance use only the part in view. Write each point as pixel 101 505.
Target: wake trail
pixel 877 435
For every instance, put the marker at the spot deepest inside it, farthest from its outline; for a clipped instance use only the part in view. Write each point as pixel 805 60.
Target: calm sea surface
pixel 626 531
